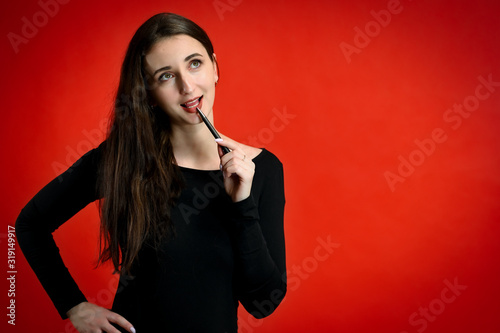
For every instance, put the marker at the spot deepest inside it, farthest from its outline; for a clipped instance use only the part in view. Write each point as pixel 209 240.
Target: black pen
pixel 216 135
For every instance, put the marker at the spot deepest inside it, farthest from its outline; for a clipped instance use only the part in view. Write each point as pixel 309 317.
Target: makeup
pixel 191 105
pixel 212 130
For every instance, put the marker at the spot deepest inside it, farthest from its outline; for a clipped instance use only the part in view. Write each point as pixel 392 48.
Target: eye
pixel 165 77
pixel 195 64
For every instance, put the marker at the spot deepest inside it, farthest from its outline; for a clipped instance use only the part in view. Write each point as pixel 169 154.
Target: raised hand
pixel 238 170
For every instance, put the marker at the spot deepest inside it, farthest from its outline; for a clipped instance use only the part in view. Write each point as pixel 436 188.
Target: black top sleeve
pixel 260 241
pixel 258 235
pixel 57 202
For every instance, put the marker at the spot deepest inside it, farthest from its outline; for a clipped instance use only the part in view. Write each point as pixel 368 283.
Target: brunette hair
pixel 139 179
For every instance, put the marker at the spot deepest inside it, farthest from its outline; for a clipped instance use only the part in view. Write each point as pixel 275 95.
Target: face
pixel 183 78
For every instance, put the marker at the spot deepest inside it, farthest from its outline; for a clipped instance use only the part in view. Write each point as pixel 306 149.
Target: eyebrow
pixel 166 68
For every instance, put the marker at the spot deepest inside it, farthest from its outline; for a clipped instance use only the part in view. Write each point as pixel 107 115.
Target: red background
pixel 349 123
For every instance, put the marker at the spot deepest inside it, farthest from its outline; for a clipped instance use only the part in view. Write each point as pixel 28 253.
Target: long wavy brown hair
pixel 139 179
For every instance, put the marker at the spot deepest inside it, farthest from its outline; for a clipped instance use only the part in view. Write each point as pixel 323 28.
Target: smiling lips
pixel 191 105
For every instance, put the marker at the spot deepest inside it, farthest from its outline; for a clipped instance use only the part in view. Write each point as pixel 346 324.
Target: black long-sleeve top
pixel 222 252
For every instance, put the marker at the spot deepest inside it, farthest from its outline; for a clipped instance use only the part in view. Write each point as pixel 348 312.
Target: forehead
pixel 172 51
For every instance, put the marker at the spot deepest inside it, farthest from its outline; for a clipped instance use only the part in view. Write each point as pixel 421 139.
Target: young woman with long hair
pixel 192 231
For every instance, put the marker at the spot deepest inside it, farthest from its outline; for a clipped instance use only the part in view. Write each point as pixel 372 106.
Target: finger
pixel 236 158
pixel 227 142
pixel 229 163
pixel 242 169
pixel 239 170
pixel 221 153
pixel 108 328
pixel 121 321
pixel 237 153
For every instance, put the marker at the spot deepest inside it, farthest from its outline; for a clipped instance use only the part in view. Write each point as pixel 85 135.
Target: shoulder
pixel 266 163
pixel 93 157
pixel 260 155
pixel 263 158
pixel 86 168
pixel 268 180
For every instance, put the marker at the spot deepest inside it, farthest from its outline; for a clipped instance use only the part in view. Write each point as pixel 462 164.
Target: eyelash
pixel 196 60
pixel 161 77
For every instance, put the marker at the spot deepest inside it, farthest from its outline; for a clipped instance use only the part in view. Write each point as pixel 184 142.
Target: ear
pixel 216 67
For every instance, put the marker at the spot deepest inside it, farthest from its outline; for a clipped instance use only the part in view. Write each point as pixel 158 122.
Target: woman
pixel 190 230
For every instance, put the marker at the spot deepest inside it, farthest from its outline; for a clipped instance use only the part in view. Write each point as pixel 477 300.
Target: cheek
pixel 209 81
pixel 208 77
pixel 164 95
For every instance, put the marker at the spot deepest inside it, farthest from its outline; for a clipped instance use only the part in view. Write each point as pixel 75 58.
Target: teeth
pixel 192 104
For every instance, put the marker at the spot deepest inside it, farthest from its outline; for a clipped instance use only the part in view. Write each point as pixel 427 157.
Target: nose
pixel 186 84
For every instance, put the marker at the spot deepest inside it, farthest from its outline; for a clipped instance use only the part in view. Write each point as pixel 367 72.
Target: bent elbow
pixel 26 225
pixel 22 222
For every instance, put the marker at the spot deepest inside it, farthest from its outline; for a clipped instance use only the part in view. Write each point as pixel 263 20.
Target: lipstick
pixel 216 135
pixel 191 105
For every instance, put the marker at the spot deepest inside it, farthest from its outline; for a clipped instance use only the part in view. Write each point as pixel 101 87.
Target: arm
pixel 258 198
pixel 56 203
pixel 261 244
pixel 45 212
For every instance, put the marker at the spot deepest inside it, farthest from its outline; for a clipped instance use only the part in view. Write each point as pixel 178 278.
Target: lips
pixel 192 104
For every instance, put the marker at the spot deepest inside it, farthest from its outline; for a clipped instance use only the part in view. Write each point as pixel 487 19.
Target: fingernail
pixel 132 330
pixel 220 167
pixel 219 140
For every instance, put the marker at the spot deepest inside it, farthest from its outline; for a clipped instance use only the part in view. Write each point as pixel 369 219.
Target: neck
pixel 195 147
